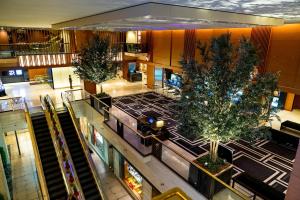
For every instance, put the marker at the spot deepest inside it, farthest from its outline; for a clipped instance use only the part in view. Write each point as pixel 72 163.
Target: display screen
pixel 131 67
pixel 275 102
pixel 175 80
pixel 19 72
pixel 11 73
pixel 158 73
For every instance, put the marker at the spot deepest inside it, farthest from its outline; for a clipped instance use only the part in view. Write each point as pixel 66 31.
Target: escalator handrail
pixel 38 161
pixel 67 182
pixel 92 166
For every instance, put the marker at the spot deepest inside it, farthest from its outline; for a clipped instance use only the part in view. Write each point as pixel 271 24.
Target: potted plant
pixel 223 98
pixel 97 63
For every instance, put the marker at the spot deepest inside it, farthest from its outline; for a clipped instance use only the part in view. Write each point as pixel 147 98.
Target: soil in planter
pixel 101 95
pixel 213 167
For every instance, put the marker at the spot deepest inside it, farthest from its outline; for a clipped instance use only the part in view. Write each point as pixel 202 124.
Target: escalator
pixel 53 176
pixel 82 167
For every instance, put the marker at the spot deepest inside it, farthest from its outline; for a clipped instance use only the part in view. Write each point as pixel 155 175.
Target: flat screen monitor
pixel 131 67
pixel 19 72
pixel 175 80
pixel 275 102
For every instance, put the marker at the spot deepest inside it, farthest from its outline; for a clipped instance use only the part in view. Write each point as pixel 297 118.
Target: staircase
pixel 84 173
pixel 54 180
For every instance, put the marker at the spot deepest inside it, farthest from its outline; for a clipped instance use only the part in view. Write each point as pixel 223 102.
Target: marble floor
pixel 32 92
pixel 24 177
pixel 112 187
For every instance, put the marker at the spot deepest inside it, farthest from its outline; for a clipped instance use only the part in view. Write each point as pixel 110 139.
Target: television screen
pixel 19 72
pixel 131 67
pixel 175 80
pixel 275 102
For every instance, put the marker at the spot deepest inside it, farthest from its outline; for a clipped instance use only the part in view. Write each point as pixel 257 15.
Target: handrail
pixel 106 109
pixel 11 102
pixel 238 193
pixel 203 169
pixel 84 146
pixel 38 162
pixel 62 150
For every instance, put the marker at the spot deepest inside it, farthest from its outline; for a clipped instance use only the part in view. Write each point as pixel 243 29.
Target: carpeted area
pixel 264 159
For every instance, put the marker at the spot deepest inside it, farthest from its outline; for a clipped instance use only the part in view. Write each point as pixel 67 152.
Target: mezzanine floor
pixel 115 88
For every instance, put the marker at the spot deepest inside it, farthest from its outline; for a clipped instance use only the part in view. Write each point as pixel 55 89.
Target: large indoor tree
pixel 97 61
pixel 224 98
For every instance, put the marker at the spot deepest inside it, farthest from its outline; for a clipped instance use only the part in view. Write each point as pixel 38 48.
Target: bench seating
pixel 284 139
pixel 290 127
pixel 257 187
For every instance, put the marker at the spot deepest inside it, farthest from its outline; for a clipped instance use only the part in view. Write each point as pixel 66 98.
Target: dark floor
pixel 265 160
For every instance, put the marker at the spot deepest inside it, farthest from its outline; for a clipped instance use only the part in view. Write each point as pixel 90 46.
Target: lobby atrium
pixel 160 100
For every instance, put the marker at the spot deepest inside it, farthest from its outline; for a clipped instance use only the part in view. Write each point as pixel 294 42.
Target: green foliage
pixel 102 94
pixel 97 62
pixel 223 97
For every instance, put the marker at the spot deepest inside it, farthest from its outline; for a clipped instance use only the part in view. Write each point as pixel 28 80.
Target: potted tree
pixel 97 63
pixel 223 99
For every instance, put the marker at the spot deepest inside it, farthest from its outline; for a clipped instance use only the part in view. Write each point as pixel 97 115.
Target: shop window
pixel 133 180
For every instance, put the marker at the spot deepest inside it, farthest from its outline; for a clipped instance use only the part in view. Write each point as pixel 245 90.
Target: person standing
pixel 70 81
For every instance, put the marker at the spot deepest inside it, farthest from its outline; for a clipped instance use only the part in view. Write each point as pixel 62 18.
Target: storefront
pixel 130 177
pixel 133 180
pixel 98 143
pixel 139 187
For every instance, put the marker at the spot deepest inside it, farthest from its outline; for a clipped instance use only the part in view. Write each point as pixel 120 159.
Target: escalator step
pixel 92 194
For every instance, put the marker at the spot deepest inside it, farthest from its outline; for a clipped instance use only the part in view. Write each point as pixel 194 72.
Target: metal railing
pixel 62 151
pixel 17 49
pixel 38 162
pixel 85 148
pixel 167 159
pixel 12 104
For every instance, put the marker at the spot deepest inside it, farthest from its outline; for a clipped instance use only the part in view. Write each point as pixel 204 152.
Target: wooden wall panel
pixel 82 38
pixel 177 47
pixel 32 73
pixel 260 37
pixel 90 87
pixel 3 37
pixel 289 101
pixel 161 47
pixel 296 102
pixel 284 56
pixel 189 44
pixel 150 76
pixel 149 44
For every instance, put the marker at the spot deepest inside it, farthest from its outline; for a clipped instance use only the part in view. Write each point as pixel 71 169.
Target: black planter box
pixel 107 100
pixel 98 105
pixel 205 184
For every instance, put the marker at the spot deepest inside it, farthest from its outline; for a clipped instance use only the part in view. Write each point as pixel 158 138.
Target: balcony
pixel 18 49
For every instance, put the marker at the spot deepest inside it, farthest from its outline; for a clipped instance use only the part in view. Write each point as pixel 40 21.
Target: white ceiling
pixel 43 13
pixel 157 16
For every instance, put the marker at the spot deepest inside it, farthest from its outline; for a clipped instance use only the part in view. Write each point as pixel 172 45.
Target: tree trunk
pixel 214 145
